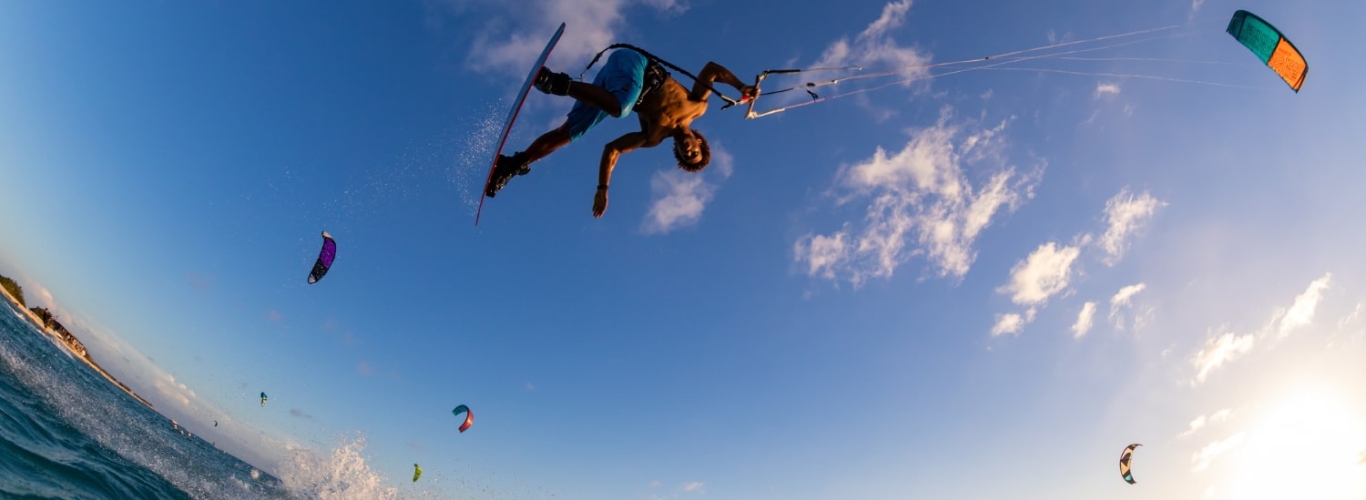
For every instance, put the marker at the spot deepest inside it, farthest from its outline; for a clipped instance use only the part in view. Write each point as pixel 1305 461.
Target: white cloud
pixel 1124 213
pixel 1220 350
pixel 722 163
pixel 1044 273
pixel 668 6
pixel 1195 425
pixel 1351 318
pixel 1120 301
pixel 1012 323
pixel 874 46
pixel 694 486
pixel 1200 421
pixel 680 197
pixel 1122 297
pixel 1007 323
pixel 1206 455
pixel 919 202
pixel 1301 313
pixel 1083 324
pixel 512 38
pixel 1106 90
pixel 1195 7
pixel 823 254
pixel 1229 346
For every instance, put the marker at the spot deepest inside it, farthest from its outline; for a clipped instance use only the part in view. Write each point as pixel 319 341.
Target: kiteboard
pixel 512 115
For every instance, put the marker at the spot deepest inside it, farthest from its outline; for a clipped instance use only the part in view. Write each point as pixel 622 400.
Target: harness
pixel 656 62
pixel 654 79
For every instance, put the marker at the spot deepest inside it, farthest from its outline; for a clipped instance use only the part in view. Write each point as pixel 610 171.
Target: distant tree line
pixel 49 320
pixel 13 289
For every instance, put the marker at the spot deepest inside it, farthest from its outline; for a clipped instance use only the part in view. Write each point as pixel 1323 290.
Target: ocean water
pixel 66 432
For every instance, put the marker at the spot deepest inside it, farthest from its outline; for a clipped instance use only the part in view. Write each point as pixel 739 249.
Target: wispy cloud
pixel 1203 458
pixel 1084 319
pixel 679 200
pixel 363 368
pixel 1125 213
pixel 1219 350
pixel 694 486
pixel 1012 323
pixel 1301 313
pixel 1195 8
pixel 1229 346
pixel 1044 273
pixel 823 255
pixel 680 197
pixel 1200 421
pixel 1352 317
pixel 515 32
pixel 918 202
pixel 1007 323
pixel 1120 301
pixel 668 6
pixel 874 46
pixel 1106 90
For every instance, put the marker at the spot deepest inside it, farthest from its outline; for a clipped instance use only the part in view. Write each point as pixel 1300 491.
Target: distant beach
pixel 67 341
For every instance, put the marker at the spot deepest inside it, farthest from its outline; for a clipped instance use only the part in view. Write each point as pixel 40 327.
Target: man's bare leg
pixel 519 164
pixel 547 143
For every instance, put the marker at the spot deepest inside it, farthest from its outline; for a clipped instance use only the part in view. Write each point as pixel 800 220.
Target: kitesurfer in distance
pixel 629 81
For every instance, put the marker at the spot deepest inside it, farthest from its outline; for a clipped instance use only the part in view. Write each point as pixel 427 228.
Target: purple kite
pixel 325 257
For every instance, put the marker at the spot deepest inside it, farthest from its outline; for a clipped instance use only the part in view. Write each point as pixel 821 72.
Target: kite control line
pixel 995 60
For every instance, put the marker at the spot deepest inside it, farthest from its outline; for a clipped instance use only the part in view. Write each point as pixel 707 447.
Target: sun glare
pixel 1309 445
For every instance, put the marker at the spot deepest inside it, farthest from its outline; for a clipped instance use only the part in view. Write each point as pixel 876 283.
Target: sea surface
pixel 66 432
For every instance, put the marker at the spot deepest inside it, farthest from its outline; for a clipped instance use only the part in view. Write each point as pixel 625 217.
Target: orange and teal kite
pixel 469 416
pixel 1270 46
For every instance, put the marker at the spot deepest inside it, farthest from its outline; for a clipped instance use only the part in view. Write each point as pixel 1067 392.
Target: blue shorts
pixel 623 76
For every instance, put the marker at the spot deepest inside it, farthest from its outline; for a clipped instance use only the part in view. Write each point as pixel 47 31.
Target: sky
pixel 971 285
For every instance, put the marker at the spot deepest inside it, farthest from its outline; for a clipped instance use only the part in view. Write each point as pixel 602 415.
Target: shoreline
pixel 38 323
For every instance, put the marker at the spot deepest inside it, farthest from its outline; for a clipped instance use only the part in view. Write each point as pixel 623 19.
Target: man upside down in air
pixel 629 81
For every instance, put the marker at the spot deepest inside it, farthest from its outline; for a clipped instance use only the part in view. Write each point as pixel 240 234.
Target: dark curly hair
pixel 703 159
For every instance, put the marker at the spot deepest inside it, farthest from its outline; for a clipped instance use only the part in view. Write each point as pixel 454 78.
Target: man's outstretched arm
pixel 610 153
pixel 713 73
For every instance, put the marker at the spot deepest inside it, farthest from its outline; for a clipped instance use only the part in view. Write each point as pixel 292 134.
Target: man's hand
pixel 600 202
pixel 748 93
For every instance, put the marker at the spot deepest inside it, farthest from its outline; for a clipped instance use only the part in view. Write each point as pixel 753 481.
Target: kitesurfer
pixel 629 81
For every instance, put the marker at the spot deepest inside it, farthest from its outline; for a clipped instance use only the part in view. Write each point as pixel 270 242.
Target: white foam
pixel 342 474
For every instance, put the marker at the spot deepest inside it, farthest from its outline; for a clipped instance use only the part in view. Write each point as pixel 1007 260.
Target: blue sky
pixel 971 286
